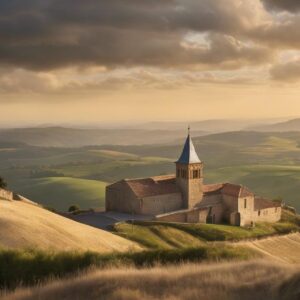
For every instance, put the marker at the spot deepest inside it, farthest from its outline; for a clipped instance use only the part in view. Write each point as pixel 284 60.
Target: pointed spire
pixel 188 155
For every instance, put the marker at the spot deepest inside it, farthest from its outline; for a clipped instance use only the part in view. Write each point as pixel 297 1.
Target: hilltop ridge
pixel 24 225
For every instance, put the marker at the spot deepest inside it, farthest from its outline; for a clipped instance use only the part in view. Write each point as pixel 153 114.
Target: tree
pixel 3 184
pixel 73 208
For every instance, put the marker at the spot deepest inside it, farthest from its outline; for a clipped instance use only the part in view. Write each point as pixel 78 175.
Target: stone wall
pixel 246 210
pixel 230 205
pixel 5 194
pixel 178 217
pixel 161 204
pixel 272 214
pixel 235 219
pixel 218 212
pixel 195 188
pixel 120 198
pixel 203 215
pixel 194 216
pixel 191 188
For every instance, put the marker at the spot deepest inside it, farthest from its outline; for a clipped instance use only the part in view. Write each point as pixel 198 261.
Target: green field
pixel 272 181
pixel 62 192
pixel 268 163
pixel 161 235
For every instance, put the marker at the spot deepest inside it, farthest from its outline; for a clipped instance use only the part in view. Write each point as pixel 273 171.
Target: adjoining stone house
pixel 184 197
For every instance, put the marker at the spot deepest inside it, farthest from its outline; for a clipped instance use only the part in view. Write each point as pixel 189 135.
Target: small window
pixel 195 174
pixel 245 203
pixel 178 172
pixel 275 209
pixel 259 213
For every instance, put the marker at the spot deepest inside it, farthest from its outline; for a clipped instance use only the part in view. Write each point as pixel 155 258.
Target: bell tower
pixel 189 174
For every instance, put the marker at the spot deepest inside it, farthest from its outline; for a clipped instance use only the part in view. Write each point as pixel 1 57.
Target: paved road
pixel 103 220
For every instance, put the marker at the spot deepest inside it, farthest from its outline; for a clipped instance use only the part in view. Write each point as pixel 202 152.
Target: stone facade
pixel 185 198
pixel 189 177
pixel 150 196
pixel 266 211
pixel 155 205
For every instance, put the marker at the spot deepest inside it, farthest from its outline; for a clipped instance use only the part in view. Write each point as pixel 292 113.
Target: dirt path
pixel 285 248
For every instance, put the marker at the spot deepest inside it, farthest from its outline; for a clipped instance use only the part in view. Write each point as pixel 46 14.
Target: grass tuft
pixel 29 267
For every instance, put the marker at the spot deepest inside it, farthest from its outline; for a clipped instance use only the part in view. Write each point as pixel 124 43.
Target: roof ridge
pixel 167 176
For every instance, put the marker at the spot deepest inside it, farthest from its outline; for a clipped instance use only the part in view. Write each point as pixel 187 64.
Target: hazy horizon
pixel 172 124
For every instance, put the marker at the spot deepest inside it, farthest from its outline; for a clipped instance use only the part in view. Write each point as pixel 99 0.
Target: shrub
pixel 73 208
pixel 3 184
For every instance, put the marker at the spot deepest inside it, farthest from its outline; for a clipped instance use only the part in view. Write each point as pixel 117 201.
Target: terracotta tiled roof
pixel 261 203
pixel 208 201
pixel 213 188
pixel 153 186
pixel 236 190
pixel 229 189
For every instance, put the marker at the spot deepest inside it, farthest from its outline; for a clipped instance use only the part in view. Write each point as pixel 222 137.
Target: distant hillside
pixel 71 137
pixel 291 125
pixel 209 126
pixel 28 226
pixel 62 192
pixel 269 163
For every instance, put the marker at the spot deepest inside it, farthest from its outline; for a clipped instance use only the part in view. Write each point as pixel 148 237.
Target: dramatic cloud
pixel 53 46
pixel 286 72
pixel 288 5
pixel 72 81
pixel 51 34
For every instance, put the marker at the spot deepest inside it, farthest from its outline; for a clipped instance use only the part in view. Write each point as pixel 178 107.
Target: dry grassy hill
pixel 258 280
pixel 26 225
pixel 284 248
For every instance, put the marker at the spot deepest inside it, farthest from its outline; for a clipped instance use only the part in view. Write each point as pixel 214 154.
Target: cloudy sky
pixel 143 60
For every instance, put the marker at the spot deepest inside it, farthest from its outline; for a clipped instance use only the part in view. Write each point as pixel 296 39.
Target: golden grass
pixel 284 248
pixel 239 280
pixel 28 226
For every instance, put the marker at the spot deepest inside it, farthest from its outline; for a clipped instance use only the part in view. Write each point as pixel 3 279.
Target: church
pixel 183 197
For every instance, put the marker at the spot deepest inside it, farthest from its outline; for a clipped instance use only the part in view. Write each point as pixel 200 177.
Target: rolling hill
pixel 209 126
pixel 25 225
pixel 73 137
pixel 284 249
pixel 163 235
pixel 62 192
pixel 291 125
pixel 266 162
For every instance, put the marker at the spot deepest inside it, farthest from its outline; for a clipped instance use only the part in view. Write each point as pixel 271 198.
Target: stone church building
pixel 183 197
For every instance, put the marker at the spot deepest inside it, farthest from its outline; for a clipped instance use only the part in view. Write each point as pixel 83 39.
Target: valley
pixel 268 163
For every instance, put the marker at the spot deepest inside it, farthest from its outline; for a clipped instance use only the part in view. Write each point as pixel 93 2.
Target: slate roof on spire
pixel 189 155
